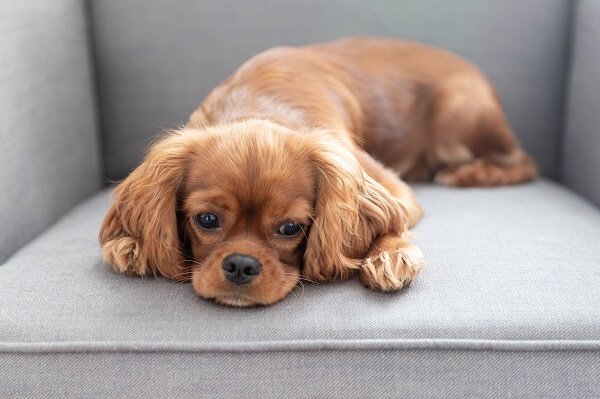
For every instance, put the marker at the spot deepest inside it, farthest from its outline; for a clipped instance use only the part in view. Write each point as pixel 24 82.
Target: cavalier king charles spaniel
pixel 279 174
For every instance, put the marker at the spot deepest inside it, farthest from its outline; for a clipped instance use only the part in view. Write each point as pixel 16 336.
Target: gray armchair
pixel 509 304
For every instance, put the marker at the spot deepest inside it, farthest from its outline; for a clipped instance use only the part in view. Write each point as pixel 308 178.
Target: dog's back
pixel 422 111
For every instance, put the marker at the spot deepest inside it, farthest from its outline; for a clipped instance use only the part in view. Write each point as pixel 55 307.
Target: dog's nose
pixel 241 269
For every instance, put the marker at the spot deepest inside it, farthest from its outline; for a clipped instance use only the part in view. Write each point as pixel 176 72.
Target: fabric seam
pixel 299 346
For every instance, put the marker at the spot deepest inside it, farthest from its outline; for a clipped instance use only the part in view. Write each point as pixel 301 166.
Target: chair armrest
pixel 49 148
pixel 581 156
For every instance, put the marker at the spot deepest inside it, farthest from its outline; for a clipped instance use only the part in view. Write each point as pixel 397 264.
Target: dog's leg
pixel 485 172
pixel 391 264
pixel 390 180
pixel 470 140
pixel 392 261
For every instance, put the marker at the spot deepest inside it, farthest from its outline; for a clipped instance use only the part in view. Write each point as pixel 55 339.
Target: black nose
pixel 241 269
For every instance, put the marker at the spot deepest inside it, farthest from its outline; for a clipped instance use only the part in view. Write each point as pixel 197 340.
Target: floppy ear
pixel 352 210
pixel 139 234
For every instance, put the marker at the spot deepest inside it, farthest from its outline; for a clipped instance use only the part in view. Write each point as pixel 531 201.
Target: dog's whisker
pixel 195 262
pixel 308 280
pixel 301 285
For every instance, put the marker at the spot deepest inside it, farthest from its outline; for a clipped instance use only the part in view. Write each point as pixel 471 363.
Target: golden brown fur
pixel 301 135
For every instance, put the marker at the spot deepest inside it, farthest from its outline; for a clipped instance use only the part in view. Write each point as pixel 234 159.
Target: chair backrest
pixel 49 148
pixel 156 60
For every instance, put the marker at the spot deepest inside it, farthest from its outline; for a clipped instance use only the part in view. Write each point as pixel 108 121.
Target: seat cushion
pixel 510 295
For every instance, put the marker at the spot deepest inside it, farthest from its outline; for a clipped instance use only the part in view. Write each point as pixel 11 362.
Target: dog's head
pixel 243 210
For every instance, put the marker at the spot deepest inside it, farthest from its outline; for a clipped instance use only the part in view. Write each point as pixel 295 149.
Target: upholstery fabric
pixel 156 60
pixel 509 297
pixel 343 374
pixel 49 148
pixel 581 164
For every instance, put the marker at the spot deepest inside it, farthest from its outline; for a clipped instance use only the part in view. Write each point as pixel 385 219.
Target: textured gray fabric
pixel 49 152
pixel 581 161
pixel 509 296
pixel 304 374
pixel 156 60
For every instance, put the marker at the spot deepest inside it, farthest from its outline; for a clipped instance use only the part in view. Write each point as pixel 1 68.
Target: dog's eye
pixel 208 221
pixel 289 229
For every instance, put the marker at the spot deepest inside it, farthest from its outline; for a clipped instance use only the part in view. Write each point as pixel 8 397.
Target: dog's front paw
pixel 124 255
pixel 391 264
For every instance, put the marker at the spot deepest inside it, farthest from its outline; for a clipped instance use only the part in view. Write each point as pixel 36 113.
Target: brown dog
pixel 278 174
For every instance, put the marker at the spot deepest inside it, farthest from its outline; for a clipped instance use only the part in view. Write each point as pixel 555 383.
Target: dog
pixel 291 169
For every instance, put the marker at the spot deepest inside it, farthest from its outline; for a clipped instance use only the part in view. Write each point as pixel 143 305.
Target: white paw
pixel 391 271
pixel 123 254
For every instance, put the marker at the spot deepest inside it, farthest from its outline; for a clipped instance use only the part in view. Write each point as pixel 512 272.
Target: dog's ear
pixel 351 211
pixel 139 234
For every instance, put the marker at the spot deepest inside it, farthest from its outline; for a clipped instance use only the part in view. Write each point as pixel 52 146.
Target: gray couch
pixel 509 304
